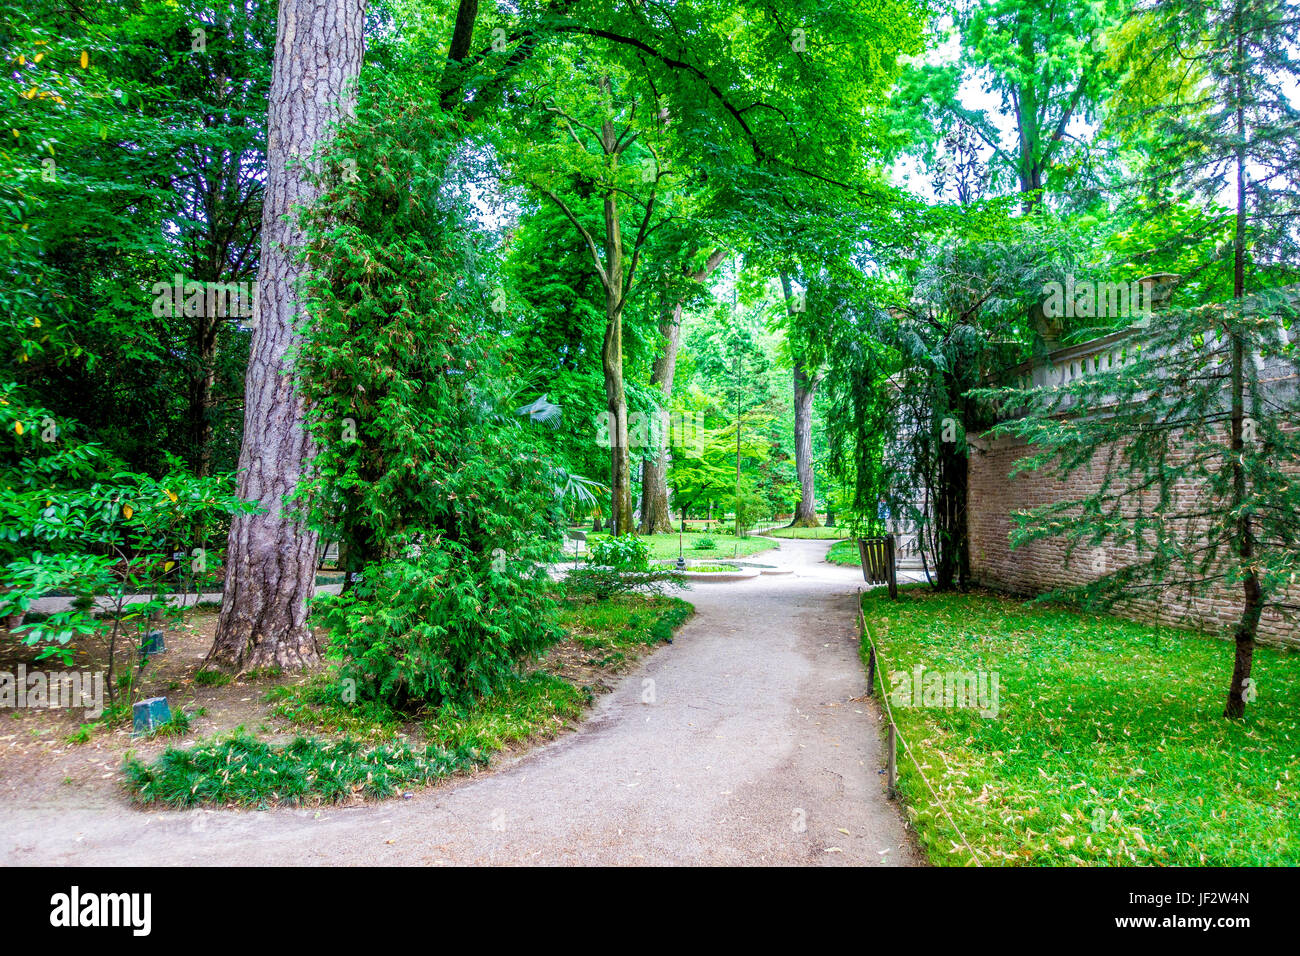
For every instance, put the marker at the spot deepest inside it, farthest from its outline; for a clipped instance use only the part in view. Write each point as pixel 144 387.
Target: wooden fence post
pixel 891 568
pixel 892 766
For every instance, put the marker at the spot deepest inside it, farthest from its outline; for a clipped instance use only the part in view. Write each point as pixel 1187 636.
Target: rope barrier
pixel 865 630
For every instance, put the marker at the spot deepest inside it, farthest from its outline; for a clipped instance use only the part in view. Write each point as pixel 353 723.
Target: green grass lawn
pixel 845 552
pixel 817 533
pixel 664 546
pixel 1108 746
pixel 623 622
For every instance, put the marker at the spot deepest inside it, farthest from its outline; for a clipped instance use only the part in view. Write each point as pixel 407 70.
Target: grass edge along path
pixel 867 648
pixel 364 754
pixel 1107 748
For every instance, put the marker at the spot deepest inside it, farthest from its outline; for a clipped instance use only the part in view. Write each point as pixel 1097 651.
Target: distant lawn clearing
pixel 818 533
pixel 845 552
pixel 1108 746
pixel 665 545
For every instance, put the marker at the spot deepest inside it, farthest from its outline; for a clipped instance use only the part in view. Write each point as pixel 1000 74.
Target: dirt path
pixel 741 743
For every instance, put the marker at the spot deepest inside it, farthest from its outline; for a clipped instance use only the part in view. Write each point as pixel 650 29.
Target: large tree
pixel 600 135
pixel 1047 65
pixel 807 376
pixel 271 560
pixel 656 514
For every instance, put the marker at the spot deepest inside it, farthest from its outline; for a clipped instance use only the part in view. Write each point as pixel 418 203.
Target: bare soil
pixel 39 763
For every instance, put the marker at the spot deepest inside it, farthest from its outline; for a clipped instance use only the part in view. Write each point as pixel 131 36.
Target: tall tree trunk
pixel 1252 592
pixel 740 421
pixel 656 517
pixel 621 521
pixel 952 561
pixel 271 561
pixel 203 375
pixel 620 518
pixel 609 268
pixel 805 387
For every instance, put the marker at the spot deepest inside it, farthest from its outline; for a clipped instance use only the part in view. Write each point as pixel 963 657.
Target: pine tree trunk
pixel 1252 593
pixel 202 381
pixel 271 560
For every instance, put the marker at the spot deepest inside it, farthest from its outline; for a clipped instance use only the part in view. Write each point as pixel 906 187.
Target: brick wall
pixel 1040 566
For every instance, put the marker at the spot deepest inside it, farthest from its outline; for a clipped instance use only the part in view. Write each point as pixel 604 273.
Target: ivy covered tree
pixel 441 497
pixel 905 362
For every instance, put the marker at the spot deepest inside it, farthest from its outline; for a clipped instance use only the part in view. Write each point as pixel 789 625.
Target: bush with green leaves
pixel 443 500
pixel 620 565
pixel 601 582
pixel 704 544
pixel 623 553
pixel 74 524
pixel 438 623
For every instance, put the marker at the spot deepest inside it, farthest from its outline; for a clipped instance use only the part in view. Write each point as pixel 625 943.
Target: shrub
pixel 605 582
pixel 75 522
pixel 624 553
pixel 704 544
pixel 437 624
pixel 443 499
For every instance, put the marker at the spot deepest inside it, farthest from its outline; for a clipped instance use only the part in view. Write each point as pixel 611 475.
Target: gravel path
pixel 744 742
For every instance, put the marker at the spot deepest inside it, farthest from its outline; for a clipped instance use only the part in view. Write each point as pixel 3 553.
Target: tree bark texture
pixel 271 558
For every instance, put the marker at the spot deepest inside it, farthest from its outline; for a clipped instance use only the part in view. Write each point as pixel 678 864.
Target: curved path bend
pixel 746 741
